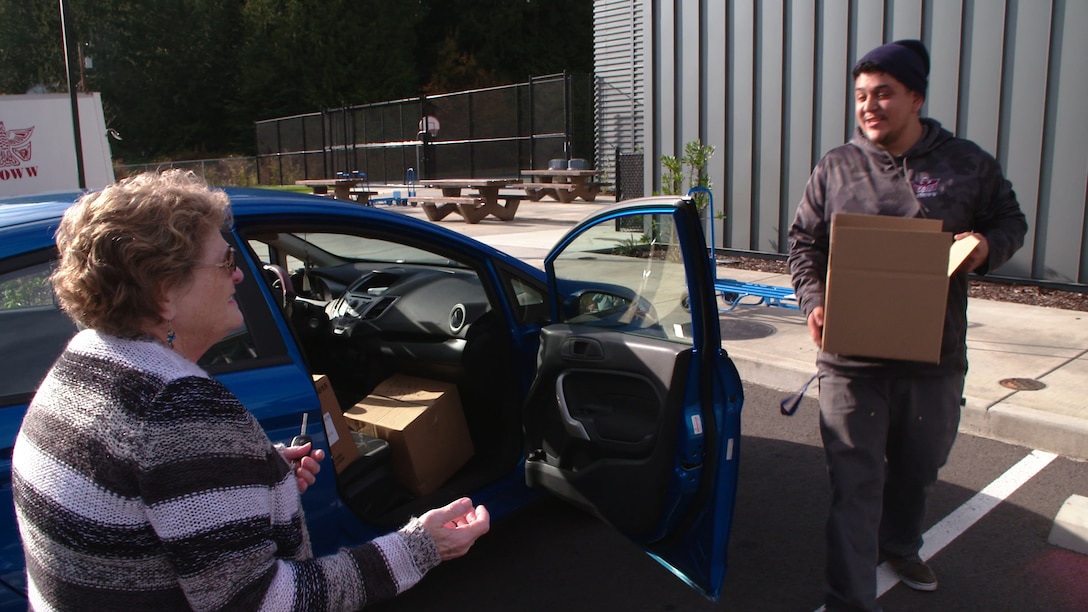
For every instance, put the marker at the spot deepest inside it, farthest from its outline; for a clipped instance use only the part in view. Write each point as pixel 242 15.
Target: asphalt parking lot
pixel 552 557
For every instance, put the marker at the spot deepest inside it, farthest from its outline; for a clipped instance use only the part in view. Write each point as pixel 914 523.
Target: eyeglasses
pixel 228 264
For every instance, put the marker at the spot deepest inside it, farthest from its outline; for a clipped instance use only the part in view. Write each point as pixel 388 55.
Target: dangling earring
pixel 170 335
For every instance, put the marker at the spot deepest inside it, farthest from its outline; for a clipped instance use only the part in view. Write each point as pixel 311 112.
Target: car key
pixel 302 438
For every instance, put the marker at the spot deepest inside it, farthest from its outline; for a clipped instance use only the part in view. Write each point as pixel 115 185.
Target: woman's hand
pixel 455 527
pixel 305 463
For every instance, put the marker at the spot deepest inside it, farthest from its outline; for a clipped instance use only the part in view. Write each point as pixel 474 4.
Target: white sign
pixel 37 147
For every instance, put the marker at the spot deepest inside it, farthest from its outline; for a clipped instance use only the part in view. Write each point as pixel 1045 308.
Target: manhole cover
pixel 733 329
pixel 1022 384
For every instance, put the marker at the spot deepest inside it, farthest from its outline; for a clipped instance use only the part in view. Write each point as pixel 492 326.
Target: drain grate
pixel 1022 384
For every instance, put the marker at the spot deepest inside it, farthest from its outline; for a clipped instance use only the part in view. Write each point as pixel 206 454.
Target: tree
pixel 184 78
pixel 473 43
pixel 168 74
pixel 31 47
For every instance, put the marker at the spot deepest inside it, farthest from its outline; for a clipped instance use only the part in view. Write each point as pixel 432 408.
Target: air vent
pixel 458 318
pixel 379 307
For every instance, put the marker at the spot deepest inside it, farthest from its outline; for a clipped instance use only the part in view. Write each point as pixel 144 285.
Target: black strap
pixel 792 402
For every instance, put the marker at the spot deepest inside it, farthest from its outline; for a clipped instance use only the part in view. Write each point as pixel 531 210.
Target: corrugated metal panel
pixel 619 66
pixel 1062 224
pixel 716 76
pixel 740 141
pixel 772 92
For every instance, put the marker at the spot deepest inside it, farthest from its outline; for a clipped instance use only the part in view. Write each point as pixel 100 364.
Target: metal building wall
pixel 767 83
pixel 619 80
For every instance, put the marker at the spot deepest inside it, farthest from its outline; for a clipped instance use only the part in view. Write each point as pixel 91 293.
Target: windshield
pixel 329 249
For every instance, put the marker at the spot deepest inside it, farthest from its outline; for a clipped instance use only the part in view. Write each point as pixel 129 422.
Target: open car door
pixel 634 413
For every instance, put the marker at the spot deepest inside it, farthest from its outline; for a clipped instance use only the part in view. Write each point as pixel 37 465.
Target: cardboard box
pixel 423 422
pixel 887 286
pixel 341 445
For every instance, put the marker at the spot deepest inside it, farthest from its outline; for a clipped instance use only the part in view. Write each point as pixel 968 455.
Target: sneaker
pixel 913 572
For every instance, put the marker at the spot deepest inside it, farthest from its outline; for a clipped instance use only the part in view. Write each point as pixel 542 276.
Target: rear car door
pixel 634 414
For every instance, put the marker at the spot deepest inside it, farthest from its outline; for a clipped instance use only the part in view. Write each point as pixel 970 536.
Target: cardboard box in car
pixel 887 286
pixel 341 445
pixel 424 424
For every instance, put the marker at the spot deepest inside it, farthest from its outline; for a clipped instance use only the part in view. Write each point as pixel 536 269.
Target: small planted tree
pixel 692 166
pixel 696 157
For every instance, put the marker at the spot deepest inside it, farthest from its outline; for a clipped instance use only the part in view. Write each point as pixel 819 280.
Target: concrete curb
pixel 785 379
pixel 1019 425
pixel 1070 529
pixel 1036 429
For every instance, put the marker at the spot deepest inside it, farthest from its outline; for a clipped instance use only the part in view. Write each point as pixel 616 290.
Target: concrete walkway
pixel 771 346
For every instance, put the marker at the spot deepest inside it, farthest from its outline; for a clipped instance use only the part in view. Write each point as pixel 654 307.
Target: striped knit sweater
pixel 140 482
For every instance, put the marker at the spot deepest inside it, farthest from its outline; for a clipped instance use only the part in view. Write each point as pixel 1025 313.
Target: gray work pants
pixel 884 441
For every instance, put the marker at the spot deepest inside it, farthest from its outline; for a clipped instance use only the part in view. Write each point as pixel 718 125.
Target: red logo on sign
pixel 14 145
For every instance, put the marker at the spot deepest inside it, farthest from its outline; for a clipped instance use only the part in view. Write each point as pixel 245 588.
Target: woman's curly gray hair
pixel 121 247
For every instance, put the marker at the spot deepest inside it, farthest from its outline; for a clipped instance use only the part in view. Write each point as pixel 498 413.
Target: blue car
pixel 600 380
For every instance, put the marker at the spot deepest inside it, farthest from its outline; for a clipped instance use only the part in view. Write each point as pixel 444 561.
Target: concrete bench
pixel 564 186
pixel 473 208
pixel 563 191
pixel 362 196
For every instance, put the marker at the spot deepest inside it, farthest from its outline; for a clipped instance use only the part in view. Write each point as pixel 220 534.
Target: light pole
pixel 66 37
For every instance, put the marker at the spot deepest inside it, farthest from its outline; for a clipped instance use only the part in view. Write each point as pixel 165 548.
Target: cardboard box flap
pixel 411 389
pixel 916 224
pixel 385 412
pixel 911 252
pixel 959 252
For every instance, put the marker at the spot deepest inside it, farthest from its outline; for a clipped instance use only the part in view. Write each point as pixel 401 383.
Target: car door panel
pixel 608 429
pixel 634 414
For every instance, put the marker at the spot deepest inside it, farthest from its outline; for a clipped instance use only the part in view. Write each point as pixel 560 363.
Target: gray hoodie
pixel 940 177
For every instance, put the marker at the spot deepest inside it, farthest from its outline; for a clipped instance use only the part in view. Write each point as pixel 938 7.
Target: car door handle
pixel 582 348
pixel 571 425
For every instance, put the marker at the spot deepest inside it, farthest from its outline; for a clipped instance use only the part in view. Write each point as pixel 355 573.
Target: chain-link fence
pixel 234 171
pixel 493 132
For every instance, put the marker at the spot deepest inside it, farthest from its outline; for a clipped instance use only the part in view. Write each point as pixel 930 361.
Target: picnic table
pixel 562 185
pixel 472 207
pixel 343 188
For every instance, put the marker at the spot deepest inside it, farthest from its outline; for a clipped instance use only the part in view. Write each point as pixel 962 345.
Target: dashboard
pixel 408 303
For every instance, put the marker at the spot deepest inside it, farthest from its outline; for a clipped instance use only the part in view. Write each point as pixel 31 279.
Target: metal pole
pixel 66 36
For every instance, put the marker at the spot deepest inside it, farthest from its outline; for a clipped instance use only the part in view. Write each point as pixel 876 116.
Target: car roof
pixel 45 211
pixel 20 210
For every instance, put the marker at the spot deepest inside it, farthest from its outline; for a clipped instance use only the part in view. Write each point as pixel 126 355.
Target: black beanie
pixel 906 60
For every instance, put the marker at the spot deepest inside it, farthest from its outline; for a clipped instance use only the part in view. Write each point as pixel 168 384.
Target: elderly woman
pixel 140 481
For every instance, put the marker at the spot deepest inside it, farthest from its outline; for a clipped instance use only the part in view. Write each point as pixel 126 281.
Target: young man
pixel 888 425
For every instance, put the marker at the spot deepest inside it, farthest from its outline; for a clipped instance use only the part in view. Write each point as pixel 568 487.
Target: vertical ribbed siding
pixel 620 68
pixel 772 91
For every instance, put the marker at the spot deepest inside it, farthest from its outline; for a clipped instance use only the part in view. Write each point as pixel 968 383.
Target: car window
pixel 612 277
pixel 33 329
pixel 529 299
pixel 27 288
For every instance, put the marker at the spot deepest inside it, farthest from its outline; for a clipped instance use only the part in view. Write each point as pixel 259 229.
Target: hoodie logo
pixel 925 187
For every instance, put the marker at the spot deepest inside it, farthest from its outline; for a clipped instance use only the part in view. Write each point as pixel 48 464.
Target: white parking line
pixel 955 524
